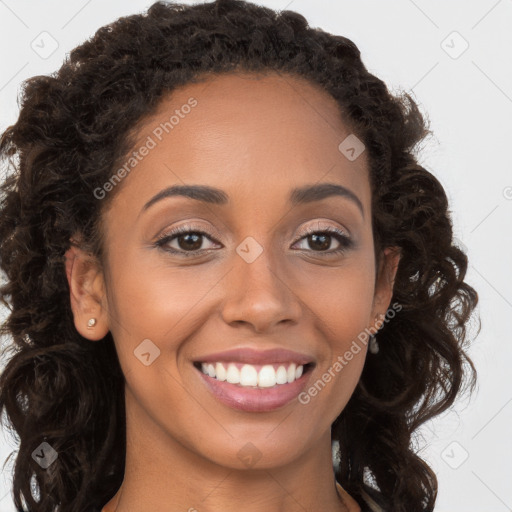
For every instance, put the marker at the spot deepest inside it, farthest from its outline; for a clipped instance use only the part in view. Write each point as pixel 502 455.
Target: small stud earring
pixel 91 323
pixel 373 346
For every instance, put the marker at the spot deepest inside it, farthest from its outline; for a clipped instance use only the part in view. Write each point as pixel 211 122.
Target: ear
pixel 87 293
pixel 388 265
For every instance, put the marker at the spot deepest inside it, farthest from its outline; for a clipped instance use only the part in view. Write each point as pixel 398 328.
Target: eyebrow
pixel 300 195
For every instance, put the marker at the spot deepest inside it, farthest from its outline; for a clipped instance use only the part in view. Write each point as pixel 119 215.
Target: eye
pixel 322 239
pixel 188 240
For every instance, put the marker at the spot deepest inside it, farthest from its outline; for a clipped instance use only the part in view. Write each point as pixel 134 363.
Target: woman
pixel 223 260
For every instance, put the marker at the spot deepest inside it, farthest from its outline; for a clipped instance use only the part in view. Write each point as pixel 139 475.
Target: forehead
pixel 254 100
pixel 252 131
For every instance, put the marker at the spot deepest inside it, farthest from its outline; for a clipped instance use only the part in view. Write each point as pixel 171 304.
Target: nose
pixel 260 295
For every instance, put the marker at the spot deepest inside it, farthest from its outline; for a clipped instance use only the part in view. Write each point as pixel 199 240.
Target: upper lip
pixel 252 356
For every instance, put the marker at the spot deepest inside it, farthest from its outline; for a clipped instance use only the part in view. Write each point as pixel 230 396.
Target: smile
pixel 254 388
pixel 249 375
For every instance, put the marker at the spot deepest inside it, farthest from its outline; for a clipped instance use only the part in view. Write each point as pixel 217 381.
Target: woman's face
pixel 257 280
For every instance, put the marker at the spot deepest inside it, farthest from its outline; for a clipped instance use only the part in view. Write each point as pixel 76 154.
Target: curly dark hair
pixel 73 130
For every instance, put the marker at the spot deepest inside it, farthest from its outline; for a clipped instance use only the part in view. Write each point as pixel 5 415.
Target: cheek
pixel 341 306
pixel 153 310
pixel 341 300
pixel 156 299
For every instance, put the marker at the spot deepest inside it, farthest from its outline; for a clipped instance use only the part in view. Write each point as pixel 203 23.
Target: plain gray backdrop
pixel 455 57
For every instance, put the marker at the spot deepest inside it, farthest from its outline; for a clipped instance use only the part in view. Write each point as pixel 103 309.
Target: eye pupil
pixel 326 240
pixel 196 244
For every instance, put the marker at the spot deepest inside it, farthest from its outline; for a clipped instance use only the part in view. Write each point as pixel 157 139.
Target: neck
pixel 164 474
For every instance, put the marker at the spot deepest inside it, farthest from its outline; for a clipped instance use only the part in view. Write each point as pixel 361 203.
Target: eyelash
pixel 345 242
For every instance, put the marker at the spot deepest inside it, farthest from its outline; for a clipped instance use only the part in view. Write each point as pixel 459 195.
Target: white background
pixel 468 98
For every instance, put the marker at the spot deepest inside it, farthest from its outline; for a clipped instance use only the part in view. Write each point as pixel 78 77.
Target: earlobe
pixel 86 293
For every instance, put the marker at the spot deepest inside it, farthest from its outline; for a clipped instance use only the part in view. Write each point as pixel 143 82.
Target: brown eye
pixel 189 241
pixel 320 241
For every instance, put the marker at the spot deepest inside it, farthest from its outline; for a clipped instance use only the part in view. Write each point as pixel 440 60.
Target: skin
pixel 255 137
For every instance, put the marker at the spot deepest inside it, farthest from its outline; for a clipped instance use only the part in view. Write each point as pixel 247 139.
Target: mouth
pixel 255 376
pixel 252 387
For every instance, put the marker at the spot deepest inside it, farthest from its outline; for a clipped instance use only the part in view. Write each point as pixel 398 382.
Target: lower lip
pixel 252 399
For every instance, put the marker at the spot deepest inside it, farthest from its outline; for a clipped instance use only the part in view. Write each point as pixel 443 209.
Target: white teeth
pixel 281 375
pixel 291 373
pixel 267 376
pixel 220 372
pixel 249 376
pixel 232 375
